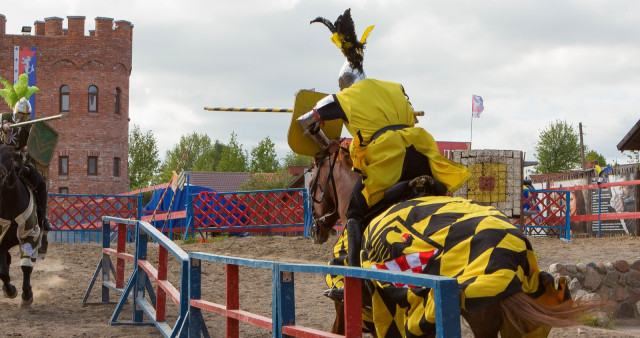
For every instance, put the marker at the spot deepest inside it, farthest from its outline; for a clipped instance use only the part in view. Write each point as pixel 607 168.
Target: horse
pixel 18 226
pixel 510 312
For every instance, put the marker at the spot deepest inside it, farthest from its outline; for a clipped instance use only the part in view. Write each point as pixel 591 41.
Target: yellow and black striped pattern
pixel 249 109
pixel 490 258
pixel 336 281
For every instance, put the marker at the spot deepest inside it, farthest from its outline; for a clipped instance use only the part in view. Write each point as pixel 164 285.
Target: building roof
pixel 572 175
pixel 218 181
pixel 631 141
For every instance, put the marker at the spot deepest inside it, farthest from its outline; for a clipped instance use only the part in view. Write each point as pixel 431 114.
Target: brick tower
pixel 85 78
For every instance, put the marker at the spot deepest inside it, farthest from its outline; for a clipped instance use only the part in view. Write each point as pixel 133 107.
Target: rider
pixel 17 138
pixel 387 147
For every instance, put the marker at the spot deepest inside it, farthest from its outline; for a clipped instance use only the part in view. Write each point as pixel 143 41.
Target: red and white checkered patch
pixel 414 262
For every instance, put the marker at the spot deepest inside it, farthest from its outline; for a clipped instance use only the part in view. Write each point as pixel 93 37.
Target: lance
pixel 48 118
pixel 270 110
pixel 249 109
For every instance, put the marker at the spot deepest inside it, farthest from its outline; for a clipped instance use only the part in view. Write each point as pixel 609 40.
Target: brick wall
pixel 69 57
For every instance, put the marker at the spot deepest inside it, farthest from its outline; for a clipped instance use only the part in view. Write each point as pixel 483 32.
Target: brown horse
pixel 512 314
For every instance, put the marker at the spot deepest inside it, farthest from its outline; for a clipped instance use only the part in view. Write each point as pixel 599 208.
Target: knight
pixel 25 166
pixel 387 148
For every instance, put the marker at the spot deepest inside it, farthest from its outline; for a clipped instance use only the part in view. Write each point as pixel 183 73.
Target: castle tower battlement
pixel 52 26
pixel 86 79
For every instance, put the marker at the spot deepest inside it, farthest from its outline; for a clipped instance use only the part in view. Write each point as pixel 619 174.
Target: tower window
pixel 116 167
pixel 64 99
pixel 116 108
pixel 63 165
pixel 92 165
pixel 93 99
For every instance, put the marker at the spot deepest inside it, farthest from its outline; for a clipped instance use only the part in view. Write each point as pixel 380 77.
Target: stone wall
pixel 618 284
pixel 496 178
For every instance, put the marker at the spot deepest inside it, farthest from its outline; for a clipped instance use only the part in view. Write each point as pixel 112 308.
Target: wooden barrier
pixel 283 323
pixel 188 298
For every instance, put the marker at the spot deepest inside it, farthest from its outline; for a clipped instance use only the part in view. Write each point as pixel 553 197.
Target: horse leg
pixel 27 293
pixel 338 323
pixel 485 323
pixel 5 261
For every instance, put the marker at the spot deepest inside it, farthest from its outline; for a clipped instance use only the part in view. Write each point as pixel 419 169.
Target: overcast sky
pixel 533 63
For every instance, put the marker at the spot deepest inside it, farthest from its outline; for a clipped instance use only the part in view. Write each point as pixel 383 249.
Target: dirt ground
pixel 60 282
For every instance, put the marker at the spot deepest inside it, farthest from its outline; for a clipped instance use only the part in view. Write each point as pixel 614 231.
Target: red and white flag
pixel 477 105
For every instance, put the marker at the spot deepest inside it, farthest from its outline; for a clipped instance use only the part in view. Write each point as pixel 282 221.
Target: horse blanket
pixel 30 236
pixel 451 237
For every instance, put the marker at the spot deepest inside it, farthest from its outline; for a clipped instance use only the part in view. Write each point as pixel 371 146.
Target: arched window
pixel 93 99
pixel 64 99
pixel 116 108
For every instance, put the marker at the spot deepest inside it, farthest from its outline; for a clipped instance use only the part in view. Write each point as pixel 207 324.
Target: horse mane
pixel 345 187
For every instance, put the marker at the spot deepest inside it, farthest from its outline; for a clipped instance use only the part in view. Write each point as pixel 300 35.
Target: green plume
pixel 13 93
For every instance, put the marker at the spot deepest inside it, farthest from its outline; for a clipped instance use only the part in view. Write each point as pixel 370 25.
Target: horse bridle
pixel 314 186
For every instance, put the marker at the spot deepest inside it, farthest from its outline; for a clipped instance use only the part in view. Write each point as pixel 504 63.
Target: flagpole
pixel 471 137
pixel 476 108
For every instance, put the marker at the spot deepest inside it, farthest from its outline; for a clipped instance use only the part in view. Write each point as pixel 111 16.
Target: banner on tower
pixel 24 61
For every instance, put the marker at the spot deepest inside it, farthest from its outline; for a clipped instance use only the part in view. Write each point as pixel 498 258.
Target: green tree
pixel 593 155
pixel 233 158
pixel 557 149
pixel 210 159
pixel 143 158
pixel 293 159
pixel 263 157
pixel 268 181
pixel 200 146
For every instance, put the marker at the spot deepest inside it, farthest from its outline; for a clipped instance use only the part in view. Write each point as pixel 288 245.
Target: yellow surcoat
pixel 369 106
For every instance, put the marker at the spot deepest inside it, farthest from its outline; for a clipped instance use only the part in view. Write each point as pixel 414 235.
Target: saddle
pixel 424 185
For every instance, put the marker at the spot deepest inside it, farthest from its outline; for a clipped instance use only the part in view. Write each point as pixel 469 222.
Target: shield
pixel 304 144
pixel 42 143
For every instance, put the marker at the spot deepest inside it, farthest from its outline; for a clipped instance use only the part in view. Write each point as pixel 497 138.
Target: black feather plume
pixel 351 47
pixel 325 22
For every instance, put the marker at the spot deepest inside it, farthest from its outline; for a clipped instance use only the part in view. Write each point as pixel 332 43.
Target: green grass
pixel 191 240
pixel 595 321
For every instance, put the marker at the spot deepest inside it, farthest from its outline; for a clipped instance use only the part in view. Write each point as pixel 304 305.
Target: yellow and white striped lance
pixel 48 118
pixel 250 109
pixel 270 110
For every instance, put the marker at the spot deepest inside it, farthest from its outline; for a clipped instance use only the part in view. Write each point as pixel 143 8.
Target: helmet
pixel 22 110
pixel 349 76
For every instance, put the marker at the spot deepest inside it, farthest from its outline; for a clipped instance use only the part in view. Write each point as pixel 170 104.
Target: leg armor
pixel 36 181
pixel 355 213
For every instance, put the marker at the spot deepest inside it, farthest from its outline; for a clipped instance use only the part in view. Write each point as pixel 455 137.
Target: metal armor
pixel 348 76
pixel 311 123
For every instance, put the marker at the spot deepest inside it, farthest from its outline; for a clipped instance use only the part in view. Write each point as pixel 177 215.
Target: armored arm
pixel 325 109
pixel 311 123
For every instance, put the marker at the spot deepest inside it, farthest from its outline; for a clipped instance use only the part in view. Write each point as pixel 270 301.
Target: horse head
pixel 6 164
pixel 330 189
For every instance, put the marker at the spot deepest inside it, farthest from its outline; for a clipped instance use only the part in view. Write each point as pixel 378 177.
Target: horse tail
pixel 523 311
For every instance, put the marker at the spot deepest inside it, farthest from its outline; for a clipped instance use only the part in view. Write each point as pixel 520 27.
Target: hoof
pixel 27 299
pixel 9 291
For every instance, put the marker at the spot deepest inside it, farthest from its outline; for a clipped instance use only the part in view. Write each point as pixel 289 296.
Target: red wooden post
pixel 233 299
pixel 352 307
pixel 120 248
pixel 161 298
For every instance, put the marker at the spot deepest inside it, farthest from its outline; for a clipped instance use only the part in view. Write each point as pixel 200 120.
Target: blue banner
pixel 24 61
